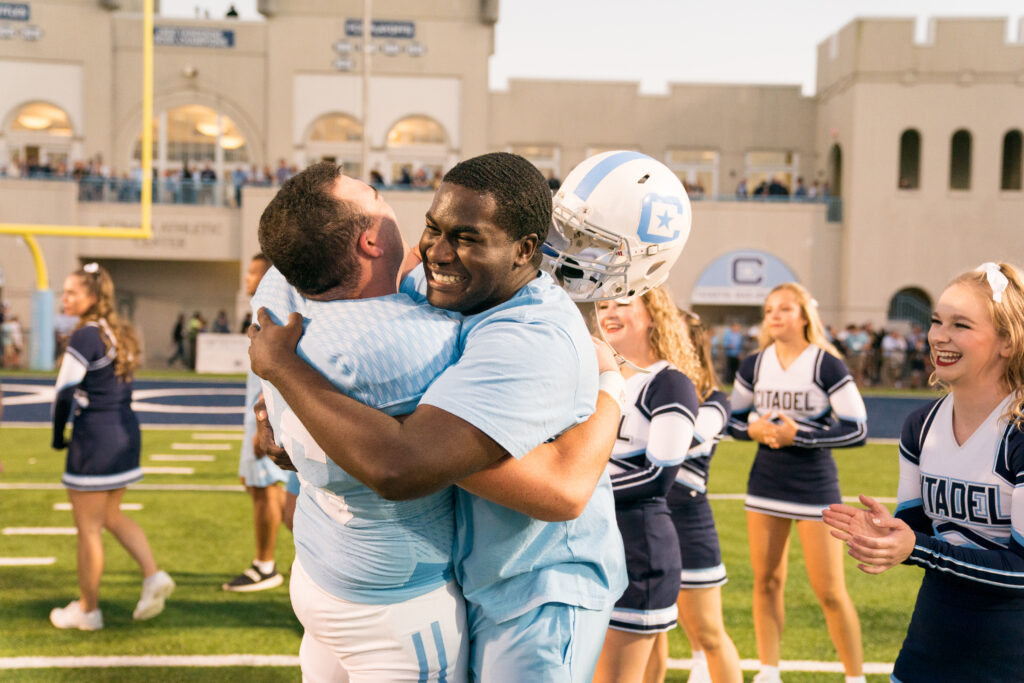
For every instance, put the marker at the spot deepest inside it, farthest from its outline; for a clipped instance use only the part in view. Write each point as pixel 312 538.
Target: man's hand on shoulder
pixel 264 445
pixel 272 346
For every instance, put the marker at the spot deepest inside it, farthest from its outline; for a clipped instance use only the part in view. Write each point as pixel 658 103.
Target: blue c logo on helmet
pixel 661 218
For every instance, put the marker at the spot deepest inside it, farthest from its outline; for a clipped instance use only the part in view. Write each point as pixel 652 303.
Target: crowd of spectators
pixel 887 357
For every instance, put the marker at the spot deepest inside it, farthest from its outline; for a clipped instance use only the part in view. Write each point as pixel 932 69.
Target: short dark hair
pixel 310 235
pixel 520 191
pixel 260 256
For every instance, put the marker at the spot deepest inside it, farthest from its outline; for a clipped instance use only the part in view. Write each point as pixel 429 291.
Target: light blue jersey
pixel 527 373
pixel 383 352
pixel 256 472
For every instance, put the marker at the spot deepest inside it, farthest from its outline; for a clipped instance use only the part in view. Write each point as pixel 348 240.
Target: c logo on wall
pixel 661 218
pixel 741 278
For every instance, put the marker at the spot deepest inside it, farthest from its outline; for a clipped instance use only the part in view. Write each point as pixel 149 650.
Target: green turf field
pixel 204 538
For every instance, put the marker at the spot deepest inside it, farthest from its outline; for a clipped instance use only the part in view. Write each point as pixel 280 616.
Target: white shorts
pixel 422 639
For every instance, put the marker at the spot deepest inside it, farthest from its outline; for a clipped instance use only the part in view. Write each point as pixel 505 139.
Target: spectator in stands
pixel 814 191
pixel 741 189
pixel 207 183
pixel 777 189
pixel 283 173
pixel 13 342
pixel 894 356
pixel 732 347
pixel 239 178
pixel 178 337
pixel 801 189
pixel 376 179
pixel 221 324
pixel 196 324
pixel 856 344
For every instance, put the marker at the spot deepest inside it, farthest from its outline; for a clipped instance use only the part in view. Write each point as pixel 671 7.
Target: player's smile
pixel 468 259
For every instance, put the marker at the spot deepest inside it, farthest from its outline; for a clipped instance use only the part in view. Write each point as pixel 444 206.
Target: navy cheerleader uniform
pixel 655 432
pixel 688 500
pixel 103 453
pixel 798 481
pixel 965 504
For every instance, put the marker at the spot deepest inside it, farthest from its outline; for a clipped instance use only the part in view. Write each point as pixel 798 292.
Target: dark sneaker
pixel 252 579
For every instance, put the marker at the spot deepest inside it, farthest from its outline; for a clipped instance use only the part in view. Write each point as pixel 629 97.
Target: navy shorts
pixel 698 539
pixel 652 565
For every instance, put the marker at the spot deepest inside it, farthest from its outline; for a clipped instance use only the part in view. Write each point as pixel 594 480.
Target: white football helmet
pixel 621 220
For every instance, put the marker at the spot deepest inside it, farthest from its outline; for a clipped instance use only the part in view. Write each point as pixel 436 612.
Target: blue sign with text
pixel 180 36
pixel 381 29
pixel 15 11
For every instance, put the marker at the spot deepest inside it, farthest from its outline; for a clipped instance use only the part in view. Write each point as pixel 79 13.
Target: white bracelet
pixel 613 383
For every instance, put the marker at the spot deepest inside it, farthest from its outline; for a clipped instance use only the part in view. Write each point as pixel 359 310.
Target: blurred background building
pixel 902 170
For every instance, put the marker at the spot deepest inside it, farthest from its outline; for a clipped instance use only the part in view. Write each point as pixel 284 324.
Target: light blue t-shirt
pixel 383 352
pixel 527 373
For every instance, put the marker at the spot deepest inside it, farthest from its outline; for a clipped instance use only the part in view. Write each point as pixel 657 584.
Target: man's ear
pixel 526 249
pixel 369 243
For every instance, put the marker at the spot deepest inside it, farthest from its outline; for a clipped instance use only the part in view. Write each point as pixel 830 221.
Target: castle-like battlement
pixel 961 50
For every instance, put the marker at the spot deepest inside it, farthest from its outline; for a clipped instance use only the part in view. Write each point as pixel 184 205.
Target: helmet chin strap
pixel 589 311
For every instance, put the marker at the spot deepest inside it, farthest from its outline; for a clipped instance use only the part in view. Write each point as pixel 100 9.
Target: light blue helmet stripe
pixel 600 171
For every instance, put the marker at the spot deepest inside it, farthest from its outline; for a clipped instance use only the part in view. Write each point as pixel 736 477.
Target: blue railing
pixel 94 188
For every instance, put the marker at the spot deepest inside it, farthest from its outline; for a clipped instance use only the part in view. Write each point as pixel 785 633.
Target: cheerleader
pixel 960 509
pixel 703 574
pixel 655 433
pixel 796 398
pixel 95 382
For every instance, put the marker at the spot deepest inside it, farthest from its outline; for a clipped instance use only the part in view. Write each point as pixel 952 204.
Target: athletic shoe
pixel 766 677
pixel 252 579
pixel 72 616
pixel 699 672
pixel 155 590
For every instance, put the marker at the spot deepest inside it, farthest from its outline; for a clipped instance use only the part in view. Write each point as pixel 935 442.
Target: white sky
pixel 655 42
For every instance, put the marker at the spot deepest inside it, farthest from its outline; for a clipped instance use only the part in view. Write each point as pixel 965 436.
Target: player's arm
pixel 73 367
pixel 555 481
pixel 847 405
pixel 742 401
pixel 427 451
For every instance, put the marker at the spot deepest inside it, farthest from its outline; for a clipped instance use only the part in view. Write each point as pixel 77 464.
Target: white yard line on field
pixel 161 457
pixel 293 661
pixel 26 561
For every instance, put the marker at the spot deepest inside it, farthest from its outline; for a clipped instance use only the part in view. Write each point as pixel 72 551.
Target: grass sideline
pixel 205 538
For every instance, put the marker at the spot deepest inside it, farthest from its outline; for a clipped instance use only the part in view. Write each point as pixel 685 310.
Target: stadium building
pixel 915 148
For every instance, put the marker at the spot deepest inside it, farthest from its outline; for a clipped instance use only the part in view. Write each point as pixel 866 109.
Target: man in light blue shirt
pixel 540 593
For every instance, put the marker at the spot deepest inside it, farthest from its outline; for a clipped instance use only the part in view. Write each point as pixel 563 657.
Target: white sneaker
pixel 699 672
pixel 72 616
pixel 766 677
pixel 155 590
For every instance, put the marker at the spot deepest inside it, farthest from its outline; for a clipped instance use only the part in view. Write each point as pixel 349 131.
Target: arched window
pixel 835 162
pixel 913 304
pixel 337 138
pixel 39 138
pixel 416 130
pixel 1011 161
pixel 192 136
pixel 910 160
pixel 960 161
pixel 418 150
pixel 336 128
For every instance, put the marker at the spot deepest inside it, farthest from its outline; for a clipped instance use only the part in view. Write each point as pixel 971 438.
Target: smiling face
pixel 965 347
pixel 469 261
pixel 76 299
pixel 784 320
pixel 625 324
